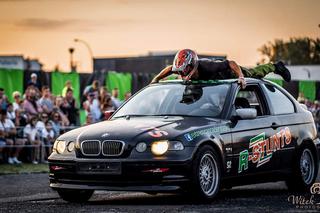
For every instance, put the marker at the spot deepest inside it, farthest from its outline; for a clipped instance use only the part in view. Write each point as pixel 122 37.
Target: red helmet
pixel 184 62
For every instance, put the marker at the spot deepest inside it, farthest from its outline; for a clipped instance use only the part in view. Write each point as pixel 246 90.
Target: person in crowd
pixel 17 101
pixel 106 105
pixel 115 100
pixel 92 106
pixel 66 87
pixel 3 99
pixel 46 137
pixel 34 81
pixel 103 93
pixel 45 101
pixel 31 133
pixel 127 96
pixel 30 104
pixel 93 88
pixel 69 107
pixel 56 123
pixel 58 108
pixel 89 119
pixel 9 133
pixel 10 113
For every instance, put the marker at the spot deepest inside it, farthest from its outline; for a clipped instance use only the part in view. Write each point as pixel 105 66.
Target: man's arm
pixel 164 73
pixel 237 71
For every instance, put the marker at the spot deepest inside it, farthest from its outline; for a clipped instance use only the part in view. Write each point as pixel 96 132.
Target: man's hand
pixel 155 80
pixel 242 82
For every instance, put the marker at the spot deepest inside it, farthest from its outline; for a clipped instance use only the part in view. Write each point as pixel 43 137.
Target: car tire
pixel 206 174
pixel 75 195
pixel 304 172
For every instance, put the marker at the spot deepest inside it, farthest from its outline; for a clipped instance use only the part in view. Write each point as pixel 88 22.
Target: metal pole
pixel 89 49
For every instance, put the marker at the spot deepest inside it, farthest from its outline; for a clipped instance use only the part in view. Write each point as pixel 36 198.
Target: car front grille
pixel 91 147
pixel 112 148
pixel 107 148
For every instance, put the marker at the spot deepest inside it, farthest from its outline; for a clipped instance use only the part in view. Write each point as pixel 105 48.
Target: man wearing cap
pixel 34 81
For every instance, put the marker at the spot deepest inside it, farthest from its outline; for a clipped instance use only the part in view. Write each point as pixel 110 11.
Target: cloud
pixel 47 24
pixel 69 24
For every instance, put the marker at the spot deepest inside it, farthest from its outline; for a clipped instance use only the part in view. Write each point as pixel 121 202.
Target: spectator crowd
pixel 31 123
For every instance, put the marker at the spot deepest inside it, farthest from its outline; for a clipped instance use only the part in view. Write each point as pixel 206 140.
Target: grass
pixel 23 168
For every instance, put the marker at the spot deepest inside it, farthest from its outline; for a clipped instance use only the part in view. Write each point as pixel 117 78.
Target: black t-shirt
pixel 210 69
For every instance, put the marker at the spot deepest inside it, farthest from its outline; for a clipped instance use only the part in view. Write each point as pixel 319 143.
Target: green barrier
pixel 82 116
pixel 122 81
pixel 276 81
pixel 11 80
pixel 58 80
pixel 308 88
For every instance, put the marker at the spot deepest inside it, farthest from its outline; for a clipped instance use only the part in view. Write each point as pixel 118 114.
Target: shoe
pixel 45 162
pixel 10 161
pixel 34 162
pixel 15 160
pixel 282 71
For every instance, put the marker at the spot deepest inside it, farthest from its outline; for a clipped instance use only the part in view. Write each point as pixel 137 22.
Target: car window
pixel 250 97
pixel 177 99
pixel 279 102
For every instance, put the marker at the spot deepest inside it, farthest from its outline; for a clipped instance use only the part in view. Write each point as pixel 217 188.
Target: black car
pixel 197 137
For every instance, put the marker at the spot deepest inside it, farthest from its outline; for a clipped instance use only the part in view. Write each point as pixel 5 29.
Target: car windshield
pixel 177 100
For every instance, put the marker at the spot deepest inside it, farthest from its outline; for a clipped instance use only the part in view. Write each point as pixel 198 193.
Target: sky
pixel 45 29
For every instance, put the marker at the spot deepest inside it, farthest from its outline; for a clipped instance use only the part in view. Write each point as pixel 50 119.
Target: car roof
pixel 212 82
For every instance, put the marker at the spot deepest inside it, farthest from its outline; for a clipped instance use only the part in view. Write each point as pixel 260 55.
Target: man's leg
pixel 259 71
pixel 262 70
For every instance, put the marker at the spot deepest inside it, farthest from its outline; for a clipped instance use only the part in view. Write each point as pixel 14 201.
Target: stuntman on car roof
pixel 189 67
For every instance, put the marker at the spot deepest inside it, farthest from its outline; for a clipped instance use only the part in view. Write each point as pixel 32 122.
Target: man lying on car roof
pixel 189 67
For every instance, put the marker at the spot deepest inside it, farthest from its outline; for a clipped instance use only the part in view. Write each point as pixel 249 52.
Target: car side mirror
pixel 108 113
pixel 246 113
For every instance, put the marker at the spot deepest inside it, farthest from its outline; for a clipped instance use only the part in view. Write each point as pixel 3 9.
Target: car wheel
pixel 75 195
pixel 206 173
pixel 305 171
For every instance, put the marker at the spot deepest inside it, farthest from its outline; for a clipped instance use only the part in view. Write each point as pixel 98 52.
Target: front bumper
pixel 129 176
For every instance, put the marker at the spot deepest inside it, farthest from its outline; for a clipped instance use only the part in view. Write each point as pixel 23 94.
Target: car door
pixel 250 137
pixel 287 124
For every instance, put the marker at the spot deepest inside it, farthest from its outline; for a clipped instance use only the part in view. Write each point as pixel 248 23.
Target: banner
pixel 122 81
pixel 58 80
pixel 308 88
pixel 11 80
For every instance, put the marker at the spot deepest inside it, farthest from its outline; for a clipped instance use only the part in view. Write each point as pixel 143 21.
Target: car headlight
pixel 70 146
pixel 141 147
pixel 159 147
pixel 60 147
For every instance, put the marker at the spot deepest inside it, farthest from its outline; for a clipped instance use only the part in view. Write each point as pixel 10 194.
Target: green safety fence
pixel 308 88
pixel 122 81
pixel 58 80
pixel 11 80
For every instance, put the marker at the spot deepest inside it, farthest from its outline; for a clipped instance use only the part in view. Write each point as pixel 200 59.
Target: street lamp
pixel 89 49
pixel 73 66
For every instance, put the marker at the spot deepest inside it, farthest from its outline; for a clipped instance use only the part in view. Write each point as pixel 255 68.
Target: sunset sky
pixel 45 29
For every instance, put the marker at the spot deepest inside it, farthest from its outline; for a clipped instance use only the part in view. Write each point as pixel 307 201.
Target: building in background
pixel 18 62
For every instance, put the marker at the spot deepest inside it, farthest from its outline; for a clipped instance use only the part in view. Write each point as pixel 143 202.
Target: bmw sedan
pixel 192 137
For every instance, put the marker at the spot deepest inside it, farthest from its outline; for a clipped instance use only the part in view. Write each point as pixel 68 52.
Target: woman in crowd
pixel 31 133
pixel 9 133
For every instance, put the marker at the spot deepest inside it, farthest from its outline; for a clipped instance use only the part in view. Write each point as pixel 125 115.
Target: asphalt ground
pixel 31 193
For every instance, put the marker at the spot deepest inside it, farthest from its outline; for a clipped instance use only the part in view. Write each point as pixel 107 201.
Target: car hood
pixel 147 128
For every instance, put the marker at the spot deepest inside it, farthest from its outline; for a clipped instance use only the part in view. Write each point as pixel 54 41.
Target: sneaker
pixel 10 161
pixel 34 162
pixel 282 71
pixel 15 160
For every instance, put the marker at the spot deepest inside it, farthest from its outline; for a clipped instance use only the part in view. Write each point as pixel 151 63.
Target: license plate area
pixel 112 168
